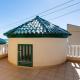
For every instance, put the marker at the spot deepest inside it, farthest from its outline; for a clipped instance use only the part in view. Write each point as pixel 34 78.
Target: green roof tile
pixel 2 41
pixel 38 27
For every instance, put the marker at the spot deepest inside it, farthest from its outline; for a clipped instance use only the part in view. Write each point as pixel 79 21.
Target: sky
pixel 15 12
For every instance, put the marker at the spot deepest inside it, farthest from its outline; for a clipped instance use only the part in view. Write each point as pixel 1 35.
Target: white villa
pixel 74 42
pixel 37 43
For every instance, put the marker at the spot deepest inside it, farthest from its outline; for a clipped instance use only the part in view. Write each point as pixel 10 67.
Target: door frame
pixel 31 55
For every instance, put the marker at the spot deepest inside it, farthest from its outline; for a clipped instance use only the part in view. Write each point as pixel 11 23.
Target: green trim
pixel 25 63
pixel 39 36
pixel 2 43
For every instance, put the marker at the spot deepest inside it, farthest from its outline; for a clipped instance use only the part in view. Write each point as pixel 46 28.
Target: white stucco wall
pixel 46 51
pixel 74 39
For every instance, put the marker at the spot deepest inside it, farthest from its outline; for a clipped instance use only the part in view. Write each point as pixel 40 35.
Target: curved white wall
pixel 46 51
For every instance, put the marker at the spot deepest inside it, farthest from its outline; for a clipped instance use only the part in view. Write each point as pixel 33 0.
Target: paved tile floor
pixel 66 71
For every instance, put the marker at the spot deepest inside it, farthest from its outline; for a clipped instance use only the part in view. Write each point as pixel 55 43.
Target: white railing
pixel 74 51
pixel 3 49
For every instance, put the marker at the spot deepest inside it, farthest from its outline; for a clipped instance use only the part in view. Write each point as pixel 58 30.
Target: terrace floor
pixel 66 71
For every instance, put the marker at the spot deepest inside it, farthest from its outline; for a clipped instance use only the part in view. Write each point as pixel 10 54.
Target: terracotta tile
pixel 66 71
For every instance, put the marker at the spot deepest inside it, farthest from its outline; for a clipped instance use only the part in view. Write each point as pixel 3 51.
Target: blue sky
pixel 16 12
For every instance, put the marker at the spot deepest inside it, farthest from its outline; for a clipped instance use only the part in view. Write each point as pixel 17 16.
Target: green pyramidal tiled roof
pixel 38 27
pixel 2 41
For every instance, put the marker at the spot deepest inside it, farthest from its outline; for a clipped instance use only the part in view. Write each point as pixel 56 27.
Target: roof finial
pixel 37 16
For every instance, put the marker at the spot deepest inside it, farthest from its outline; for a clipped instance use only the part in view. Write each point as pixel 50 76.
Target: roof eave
pixel 38 36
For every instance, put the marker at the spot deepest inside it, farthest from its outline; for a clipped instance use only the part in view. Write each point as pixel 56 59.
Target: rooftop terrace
pixel 65 71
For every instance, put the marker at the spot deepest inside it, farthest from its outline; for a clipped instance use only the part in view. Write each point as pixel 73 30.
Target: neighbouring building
pixel 75 31
pixel 3 47
pixel 37 43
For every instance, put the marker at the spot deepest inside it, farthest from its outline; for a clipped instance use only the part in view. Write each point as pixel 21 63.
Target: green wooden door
pixel 25 57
